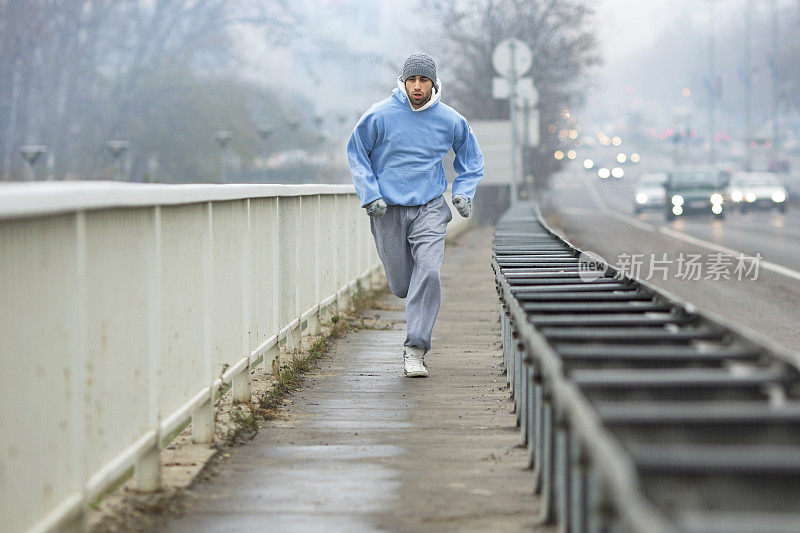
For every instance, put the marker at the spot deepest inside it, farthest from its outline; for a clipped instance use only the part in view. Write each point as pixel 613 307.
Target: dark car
pixel 691 191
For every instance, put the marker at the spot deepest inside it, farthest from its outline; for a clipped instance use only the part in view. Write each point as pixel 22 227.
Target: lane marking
pixel 767 265
pixel 578 211
pixel 610 212
pixel 632 221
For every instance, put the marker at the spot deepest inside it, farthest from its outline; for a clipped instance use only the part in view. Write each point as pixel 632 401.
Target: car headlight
pixel 737 196
pixel 716 209
pixel 604 173
pixel 677 210
pixel 617 172
pixel 750 197
pixel 677 200
pixel 716 198
pixel 778 196
pixel 641 198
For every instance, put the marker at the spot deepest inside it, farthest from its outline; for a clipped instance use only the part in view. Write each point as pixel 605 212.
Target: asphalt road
pixel 762 295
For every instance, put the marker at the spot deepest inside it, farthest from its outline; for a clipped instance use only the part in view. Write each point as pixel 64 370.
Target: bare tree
pixel 789 60
pixel 563 44
pixel 74 73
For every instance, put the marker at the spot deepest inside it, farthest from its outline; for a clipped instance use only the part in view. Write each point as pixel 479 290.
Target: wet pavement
pixel 362 448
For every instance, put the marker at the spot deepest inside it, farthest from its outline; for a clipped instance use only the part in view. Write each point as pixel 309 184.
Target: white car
pixel 649 193
pixel 756 190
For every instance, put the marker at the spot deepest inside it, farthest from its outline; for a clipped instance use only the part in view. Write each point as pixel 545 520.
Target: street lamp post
pixel 223 137
pixel 712 83
pixel 774 67
pixel 117 148
pixel 31 153
pixel 264 131
pixel 748 85
pixel 294 126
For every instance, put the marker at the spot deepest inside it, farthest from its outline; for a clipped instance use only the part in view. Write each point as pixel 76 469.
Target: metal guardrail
pixel 641 413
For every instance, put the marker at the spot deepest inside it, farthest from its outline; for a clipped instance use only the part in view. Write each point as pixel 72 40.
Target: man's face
pixel 419 90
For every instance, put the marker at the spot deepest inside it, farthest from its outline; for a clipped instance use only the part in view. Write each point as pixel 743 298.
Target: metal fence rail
pixel 641 413
pixel 126 308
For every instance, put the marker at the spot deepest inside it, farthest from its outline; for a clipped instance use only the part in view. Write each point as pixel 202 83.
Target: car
pixel 694 191
pixel 649 192
pixel 756 190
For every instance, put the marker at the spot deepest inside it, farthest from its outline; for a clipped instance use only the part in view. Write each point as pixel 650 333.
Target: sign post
pixel 511 59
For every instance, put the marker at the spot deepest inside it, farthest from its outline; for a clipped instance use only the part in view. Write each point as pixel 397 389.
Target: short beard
pixel 423 102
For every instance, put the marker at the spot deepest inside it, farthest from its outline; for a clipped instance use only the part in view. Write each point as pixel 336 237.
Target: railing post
pixel 147 472
pixel 313 323
pixel 241 382
pixel 341 269
pixel 203 420
pixel 291 340
pixel 272 358
pixel 203 416
pixel 79 382
pixel 313 320
pixel 241 386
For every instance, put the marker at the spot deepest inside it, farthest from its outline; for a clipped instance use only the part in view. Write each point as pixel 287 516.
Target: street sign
pixel 526 90
pixel 500 88
pixel 512 58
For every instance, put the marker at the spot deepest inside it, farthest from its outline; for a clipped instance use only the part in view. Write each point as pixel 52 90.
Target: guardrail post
pixel 314 319
pixel 147 471
pixel 341 268
pixel 512 360
pixel 518 371
pixel 531 417
pixel 203 420
pixel 546 462
pixel 203 415
pixel 313 323
pixel 241 381
pixel 272 358
pixel 522 408
pixel 561 481
pixel 539 432
pixel 578 486
pixel 291 340
pixel 600 511
pixel 241 386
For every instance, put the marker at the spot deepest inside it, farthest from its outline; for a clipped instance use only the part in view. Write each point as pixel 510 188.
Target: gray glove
pixel 376 208
pixel 462 204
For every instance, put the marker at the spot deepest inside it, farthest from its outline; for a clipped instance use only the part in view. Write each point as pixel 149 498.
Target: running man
pixel 395 155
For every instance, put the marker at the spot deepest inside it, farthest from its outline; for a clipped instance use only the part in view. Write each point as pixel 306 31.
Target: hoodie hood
pixel 401 93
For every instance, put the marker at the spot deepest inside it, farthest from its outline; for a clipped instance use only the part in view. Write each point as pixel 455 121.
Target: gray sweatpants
pixel 410 242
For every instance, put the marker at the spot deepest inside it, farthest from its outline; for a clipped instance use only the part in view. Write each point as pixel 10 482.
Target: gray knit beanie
pixel 419 65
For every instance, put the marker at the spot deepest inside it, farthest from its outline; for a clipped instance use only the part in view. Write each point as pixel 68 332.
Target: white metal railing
pixel 124 308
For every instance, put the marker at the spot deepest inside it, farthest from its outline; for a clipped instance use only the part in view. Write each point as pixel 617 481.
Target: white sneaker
pixel 414 362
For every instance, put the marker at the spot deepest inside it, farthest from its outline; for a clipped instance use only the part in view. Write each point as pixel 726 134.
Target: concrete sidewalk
pixel 363 448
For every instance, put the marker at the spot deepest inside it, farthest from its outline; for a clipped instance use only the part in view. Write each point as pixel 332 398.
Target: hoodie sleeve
pixel 468 163
pixel 359 146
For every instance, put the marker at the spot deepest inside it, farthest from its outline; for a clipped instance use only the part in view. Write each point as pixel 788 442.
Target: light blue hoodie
pixel 395 151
